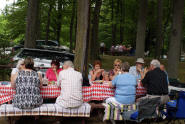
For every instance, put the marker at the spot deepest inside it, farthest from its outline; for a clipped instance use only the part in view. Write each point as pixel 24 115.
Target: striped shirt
pixel 70 82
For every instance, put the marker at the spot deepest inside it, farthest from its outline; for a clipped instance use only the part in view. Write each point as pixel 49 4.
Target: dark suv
pixel 40 44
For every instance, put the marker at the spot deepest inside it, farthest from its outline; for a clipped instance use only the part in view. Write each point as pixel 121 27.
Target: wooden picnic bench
pixel 54 110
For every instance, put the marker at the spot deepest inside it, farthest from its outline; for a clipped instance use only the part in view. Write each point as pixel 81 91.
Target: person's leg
pixel 164 99
pixel 112 99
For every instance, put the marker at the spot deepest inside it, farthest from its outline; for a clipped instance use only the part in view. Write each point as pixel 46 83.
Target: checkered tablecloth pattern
pixel 46 110
pixel 97 92
pixel 140 90
pixel 94 92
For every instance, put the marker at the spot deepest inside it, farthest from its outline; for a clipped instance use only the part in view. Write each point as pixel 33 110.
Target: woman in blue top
pixel 125 85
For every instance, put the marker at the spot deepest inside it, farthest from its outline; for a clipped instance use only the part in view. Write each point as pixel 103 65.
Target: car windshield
pixel 48 55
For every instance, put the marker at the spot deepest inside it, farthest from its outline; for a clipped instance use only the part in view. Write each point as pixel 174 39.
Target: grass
pixel 107 63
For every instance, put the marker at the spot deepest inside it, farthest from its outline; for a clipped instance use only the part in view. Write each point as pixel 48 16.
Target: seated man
pixel 156 83
pixel 137 70
pixel 125 85
pixel 70 82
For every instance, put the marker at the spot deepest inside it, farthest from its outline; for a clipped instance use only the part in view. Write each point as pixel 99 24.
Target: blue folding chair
pixel 176 108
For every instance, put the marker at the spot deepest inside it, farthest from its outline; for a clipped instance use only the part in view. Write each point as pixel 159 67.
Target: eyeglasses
pixel 116 65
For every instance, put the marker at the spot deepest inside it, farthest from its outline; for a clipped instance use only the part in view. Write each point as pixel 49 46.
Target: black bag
pixel 176 83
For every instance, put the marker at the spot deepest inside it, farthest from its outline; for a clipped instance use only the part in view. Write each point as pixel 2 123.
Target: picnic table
pixel 93 92
pixel 96 91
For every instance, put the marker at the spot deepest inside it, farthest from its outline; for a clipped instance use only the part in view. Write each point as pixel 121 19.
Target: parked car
pixel 42 58
pixel 6 51
pixel 42 44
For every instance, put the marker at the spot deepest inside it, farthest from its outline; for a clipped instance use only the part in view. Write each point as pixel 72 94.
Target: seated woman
pixel 97 72
pixel 53 72
pixel 125 85
pixel 19 67
pixel 116 70
pixel 106 78
pixel 27 84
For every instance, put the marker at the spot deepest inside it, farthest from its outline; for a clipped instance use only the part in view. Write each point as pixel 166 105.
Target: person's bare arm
pixel 143 73
pixel 113 76
pixel 13 79
pixel 93 76
pixel 40 78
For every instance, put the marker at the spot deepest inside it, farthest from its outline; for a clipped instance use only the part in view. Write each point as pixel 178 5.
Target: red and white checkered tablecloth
pixel 140 90
pixel 97 92
pixel 7 92
pixel 94 92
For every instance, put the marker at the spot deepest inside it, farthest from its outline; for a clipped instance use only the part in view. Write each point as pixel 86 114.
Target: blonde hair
pixel 117 60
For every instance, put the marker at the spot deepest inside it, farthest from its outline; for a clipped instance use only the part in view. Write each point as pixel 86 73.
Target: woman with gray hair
pixel 125 85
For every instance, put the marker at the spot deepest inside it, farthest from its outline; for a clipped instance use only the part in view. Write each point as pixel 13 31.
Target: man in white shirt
pixel 137 70
pixel 70 82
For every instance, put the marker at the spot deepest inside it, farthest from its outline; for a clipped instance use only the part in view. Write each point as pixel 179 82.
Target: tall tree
pixel 175 38
pixel 48 21
pixel 31 23
pixel 82 34
pixel 122 19
pixel 71 25
pixel 94 43
pixel 59 19
pixel 141 28
pixel 113 23
pixel 159 42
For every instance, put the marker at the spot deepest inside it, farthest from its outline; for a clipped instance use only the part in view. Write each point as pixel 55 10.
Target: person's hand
pixel 139 69
pixel 54 69
pixel 99 70
pixel 118 71
pixel 145 70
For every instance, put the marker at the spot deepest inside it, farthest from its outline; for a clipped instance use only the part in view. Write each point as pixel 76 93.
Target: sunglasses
pixel 116 65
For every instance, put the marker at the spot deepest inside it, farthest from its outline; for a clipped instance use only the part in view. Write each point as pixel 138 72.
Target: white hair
pixel 155 63
pixel 19 63
pixel 69 63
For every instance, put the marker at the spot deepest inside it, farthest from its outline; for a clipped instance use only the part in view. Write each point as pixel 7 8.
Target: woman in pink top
pixel 53 72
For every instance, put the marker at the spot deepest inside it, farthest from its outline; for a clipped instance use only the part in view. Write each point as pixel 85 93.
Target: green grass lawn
pixel 107 63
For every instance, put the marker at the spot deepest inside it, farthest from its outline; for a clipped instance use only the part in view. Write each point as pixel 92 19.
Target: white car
pixel 42 58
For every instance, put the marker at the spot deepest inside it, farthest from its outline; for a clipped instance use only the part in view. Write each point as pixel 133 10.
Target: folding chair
pixel 176 108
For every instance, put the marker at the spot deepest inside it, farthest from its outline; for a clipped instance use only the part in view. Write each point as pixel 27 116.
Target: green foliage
pixel 13 21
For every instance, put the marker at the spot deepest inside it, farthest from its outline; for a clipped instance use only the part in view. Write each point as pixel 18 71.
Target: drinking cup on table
pixel 45 81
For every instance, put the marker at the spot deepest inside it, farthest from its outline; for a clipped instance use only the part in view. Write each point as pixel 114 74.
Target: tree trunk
pixel 141 28
pixel 122 19
pixel 166 24
pixel 31 23
pixel 94 44
pixel 82 34
pixel 159 42
pixel 71 25
pixel 39 26
pixel 113 23
pixel 59 19
pixel 175 38
pixel 75 28
pixel 48 22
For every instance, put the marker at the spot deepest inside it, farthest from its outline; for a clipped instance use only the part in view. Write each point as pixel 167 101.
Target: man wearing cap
pixel 137 70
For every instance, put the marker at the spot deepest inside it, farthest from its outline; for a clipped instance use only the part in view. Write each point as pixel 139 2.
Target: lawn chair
pixel 176 108
pixel 147 110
